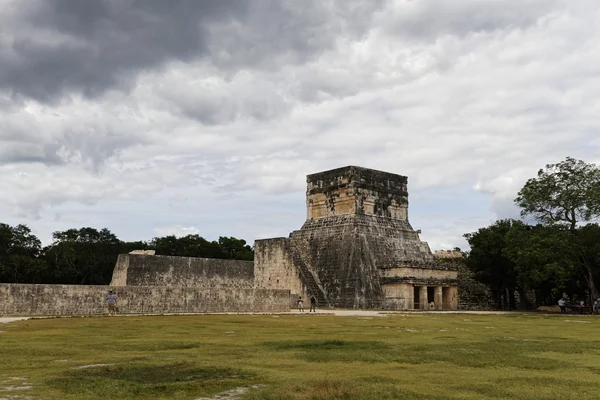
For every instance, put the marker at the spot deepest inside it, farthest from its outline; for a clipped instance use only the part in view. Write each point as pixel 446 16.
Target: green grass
pixel 419 356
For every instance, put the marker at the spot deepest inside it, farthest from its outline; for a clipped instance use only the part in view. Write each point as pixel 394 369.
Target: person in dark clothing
pixel 313 304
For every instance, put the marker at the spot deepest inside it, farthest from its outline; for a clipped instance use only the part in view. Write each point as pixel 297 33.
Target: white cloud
pixel 176 230
pixel 461 96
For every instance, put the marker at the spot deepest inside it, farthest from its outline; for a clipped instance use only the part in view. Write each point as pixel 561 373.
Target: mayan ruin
pixel 355 250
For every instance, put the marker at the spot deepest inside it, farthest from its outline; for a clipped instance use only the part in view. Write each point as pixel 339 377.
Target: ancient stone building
pixel 357 248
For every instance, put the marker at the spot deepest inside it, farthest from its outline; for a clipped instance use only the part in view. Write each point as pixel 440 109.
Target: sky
pixel 164 117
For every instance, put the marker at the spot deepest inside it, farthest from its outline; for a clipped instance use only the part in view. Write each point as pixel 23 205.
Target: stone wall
pixel 353 254
pixel 148 270
pixel 356 191
pixel 19 299
pixel 275 268
pixel 472 295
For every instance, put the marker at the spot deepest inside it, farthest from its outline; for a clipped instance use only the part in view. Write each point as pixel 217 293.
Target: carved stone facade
pixel 357 248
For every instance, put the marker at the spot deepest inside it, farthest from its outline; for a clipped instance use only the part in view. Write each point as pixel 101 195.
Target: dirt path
pixel 6 320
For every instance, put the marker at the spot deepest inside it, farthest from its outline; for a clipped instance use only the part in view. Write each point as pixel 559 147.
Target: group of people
pixel 562 303
pixel 313 304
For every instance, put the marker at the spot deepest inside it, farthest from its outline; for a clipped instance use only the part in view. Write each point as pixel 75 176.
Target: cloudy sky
pixel 204 116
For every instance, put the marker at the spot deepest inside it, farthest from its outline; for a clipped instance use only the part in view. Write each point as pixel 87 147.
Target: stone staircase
pixel 310 280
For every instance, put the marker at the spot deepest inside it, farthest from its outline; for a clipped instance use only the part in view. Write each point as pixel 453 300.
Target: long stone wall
pixel 20 299
pixel 150 270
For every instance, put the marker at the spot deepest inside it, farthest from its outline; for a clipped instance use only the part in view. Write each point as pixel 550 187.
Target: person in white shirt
pixel 112 302
pixel 561 304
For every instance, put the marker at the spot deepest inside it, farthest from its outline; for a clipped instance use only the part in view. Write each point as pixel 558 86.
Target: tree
pixel 83 256
pixel 587 247
pixel 19 249
pixel 197 246
pixel 490 264
pixel 545 259
pixel 565 193
pixel 236 248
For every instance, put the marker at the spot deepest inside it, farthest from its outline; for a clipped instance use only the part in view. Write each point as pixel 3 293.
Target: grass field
pixel 413 356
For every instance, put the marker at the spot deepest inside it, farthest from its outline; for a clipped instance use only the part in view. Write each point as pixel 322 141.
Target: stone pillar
pixel 438 298
pixel 423 298
pixel 407 292
pixel 453 293
pixel 399 296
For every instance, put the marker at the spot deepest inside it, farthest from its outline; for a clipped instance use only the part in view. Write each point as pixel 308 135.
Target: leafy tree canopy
pixel 565 194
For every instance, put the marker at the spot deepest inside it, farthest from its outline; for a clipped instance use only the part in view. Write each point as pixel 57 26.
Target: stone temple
pixel 357 248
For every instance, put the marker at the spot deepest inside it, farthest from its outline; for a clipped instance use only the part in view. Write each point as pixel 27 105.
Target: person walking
pixel 111 299
pixel 561 304
pixel 300 304
pixel 313 304
pixel 596 306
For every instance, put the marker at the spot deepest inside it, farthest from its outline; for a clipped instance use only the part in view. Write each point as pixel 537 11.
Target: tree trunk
pixel 512 302
pixel 523 303
pixel 590 279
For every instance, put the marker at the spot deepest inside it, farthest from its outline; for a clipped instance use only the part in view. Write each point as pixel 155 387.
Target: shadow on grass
pixel 495 352
pixel 328 389
pixel 159 345
pixel 334 350
pixel 534 388
pixel 148 381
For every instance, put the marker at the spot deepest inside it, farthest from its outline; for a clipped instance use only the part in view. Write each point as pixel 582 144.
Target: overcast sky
pixel 204 116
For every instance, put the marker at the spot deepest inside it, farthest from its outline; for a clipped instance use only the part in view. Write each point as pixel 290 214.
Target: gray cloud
pixel 56 46
pixel 52 47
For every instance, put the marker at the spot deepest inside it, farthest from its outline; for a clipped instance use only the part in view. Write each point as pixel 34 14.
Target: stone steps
pixel 308 278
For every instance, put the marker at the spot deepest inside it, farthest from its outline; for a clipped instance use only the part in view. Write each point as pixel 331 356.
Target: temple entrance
pixel 417 304
pixel 430 296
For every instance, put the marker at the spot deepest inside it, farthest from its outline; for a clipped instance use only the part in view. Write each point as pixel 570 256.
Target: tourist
pixel 112 302
pixel 313 304
pixel 596 306
pixel 300 304
pixel 561 304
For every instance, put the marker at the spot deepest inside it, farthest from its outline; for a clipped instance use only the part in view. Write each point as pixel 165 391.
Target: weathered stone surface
pixel 143 252
pixel 472 295
pixel 357 248
pixel 17 299
pixel 147 270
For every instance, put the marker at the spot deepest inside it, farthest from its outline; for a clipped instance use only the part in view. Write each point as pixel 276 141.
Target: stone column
pixel 453 297
pixel 406 295
pixel 423 298
pixel 438 298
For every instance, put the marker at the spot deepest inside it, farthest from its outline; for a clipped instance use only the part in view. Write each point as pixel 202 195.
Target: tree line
pixel 557 253
pixel 87 256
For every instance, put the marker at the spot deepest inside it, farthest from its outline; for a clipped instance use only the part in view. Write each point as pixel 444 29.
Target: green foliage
pixel 228 248
pixel 489 263
pixel 83 256
pixel 544 257
pixel 565 194
pixel 19 251
pixel 557 256
pixel 87 256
